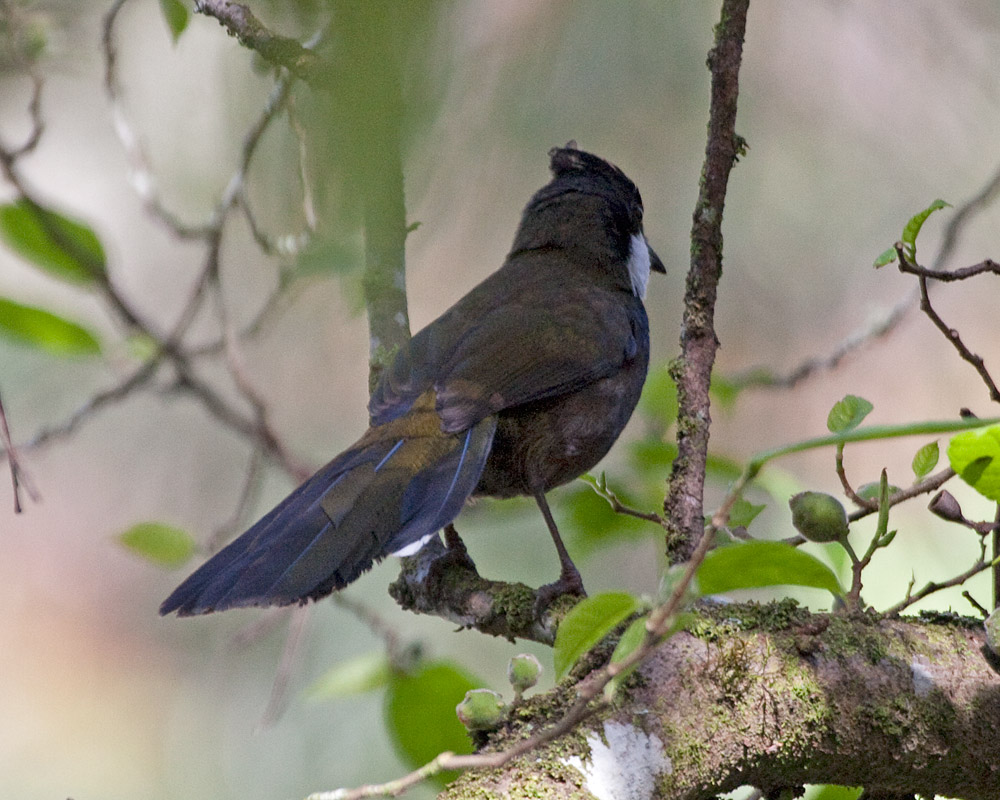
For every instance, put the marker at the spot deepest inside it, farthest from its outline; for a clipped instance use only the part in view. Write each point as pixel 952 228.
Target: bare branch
pixel 692 371
pixel 929 484
pixel 14 20
pixel 951 334
pixel 964 214
pixel 139 379
pixel 947 276
pixel 936 586
pixel 142 177
pixel 867 505
pixel 18 476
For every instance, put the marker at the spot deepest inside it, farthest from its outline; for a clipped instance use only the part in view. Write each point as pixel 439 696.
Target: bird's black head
pixel 591 209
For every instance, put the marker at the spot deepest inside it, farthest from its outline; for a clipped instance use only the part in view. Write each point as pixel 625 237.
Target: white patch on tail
pixel 413 547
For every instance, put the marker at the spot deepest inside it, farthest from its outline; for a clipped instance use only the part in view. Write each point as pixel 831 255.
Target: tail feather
pixel 398 485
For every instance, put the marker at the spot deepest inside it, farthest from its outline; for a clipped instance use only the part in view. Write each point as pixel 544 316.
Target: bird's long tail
pixel 399 484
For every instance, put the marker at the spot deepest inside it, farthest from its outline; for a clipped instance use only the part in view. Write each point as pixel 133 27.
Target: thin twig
pixel 975 603
pixel 18 475
pixel 758 377
pixel 376 623
pixel 929 484
pixel 951 334
pixel 137 380
pixel 13 21
pixel 963 215
pixel 936 586
pixel 855 498
pixel 142 177
pixel 947 276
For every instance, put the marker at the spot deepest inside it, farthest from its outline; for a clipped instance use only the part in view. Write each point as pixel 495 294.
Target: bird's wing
pixel 532 352
pixel 497 350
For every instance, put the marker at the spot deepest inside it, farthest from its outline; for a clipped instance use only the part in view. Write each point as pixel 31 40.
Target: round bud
pixel 819 517
pixel 481 710
pixel 523 671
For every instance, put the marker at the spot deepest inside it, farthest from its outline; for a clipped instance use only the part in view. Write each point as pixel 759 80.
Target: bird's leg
pixel 456 547
pixel 569 581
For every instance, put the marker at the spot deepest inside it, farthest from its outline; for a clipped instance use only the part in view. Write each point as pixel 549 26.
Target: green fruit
pixel 819 517
pixel 523 671
pixel 481 710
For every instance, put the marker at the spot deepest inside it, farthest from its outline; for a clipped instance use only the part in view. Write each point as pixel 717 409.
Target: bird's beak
pixel 655 265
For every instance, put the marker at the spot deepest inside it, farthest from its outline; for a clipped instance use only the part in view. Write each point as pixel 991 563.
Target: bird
pixel 521 386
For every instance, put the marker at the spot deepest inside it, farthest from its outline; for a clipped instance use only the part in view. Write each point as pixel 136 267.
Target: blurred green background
pixel 857 115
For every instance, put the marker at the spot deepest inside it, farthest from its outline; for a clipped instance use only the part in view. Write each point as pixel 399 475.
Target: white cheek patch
pixel 638 264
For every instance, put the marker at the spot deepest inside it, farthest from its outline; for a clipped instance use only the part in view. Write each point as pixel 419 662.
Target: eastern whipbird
pixel 521 386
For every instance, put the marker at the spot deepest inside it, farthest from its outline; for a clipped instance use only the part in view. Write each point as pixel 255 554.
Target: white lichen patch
pixel 624 765
pixel 923 677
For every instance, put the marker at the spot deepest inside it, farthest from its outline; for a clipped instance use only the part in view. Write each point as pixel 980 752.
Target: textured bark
pixel 445 584
pixel 692 371
pixel 897 706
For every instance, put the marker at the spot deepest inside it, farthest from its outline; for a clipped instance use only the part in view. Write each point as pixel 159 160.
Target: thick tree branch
pixel 781 700
pixel 444 583
pixel 692 371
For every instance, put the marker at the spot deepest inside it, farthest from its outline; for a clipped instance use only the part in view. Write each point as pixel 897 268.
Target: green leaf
pixel 925 460
pixel 162 544
pixel 65 248
pixel 590 621
pixel 176 15
pixel 357 675
pixel 45 331
pixel 744 512
pixel 882 525
pixel 420 713
pixel 885 258
pixel 848 413
pixel 913 227
pixel 751 565
pixel 975 455
pixel 634 636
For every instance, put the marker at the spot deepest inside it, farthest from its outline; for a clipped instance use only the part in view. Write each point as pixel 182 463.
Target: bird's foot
pixel 457 553
pixel 569 583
